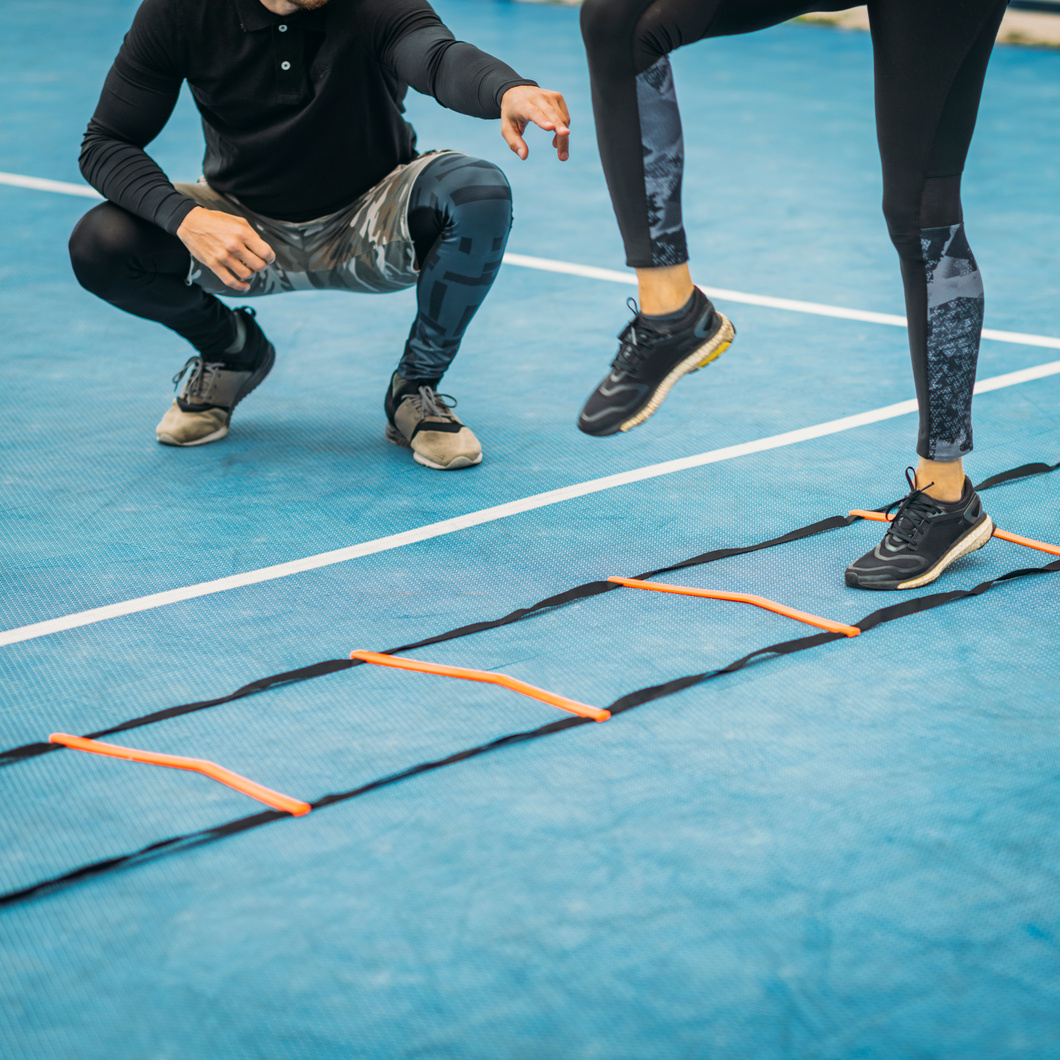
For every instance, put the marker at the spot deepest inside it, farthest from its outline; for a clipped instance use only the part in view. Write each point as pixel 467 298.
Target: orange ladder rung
pixel 417 665
pixel 196 765
pixel 1003 535
pixel 742 598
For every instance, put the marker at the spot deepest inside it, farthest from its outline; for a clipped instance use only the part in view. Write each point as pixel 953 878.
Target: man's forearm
pixel 458 75
pixel 128 176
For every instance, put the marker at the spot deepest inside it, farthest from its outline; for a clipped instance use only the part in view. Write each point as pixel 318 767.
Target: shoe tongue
pixel 412 386
pixel 913 514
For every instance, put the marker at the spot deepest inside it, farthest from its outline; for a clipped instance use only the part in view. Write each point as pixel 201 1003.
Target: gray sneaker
pixel 423 420
pixel 202 411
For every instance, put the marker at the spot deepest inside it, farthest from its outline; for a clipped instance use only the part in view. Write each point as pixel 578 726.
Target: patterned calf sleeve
pixel 664 162
pixel 954 326
pixel 472 204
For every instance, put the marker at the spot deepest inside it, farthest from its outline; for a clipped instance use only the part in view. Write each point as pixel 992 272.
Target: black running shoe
pixel 924 538
pixel 648 364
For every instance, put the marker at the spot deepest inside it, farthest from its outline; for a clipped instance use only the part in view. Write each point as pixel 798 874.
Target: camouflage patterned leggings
pixel 930 62
pixel 440 223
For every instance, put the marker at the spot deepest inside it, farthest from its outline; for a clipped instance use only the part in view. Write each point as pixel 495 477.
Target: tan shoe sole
pixel 395 437
pixel 176 425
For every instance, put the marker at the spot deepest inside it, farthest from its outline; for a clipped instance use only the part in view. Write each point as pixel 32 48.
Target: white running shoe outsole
pixel 974 541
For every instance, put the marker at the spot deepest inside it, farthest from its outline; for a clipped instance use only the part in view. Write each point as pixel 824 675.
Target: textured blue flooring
pixel 847 853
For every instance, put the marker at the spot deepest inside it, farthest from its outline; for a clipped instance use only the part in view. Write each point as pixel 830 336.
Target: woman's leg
pixel 930 61
pixel 675 330
pixel 638 124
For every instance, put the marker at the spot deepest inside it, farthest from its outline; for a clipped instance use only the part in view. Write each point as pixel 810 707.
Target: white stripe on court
pixel 790 304
pixel 540 500
pixel 40 184
pixel 591 272
pixel 489 515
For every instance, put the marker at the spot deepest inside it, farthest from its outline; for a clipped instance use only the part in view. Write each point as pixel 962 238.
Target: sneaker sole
pixel 711 350
pixel 395 437
pixel 255 380
pixel 974 540
pixel 168 439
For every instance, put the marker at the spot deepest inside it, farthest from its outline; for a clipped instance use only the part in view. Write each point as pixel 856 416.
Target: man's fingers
pixel 547 110
pixel 551 120
pixel 247 246
pixel 246 256
pixel 229 279
pixel 259 248
pixel 239 269
pixel 513 138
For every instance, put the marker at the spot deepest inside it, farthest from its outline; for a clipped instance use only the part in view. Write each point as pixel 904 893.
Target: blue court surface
pixel 851 851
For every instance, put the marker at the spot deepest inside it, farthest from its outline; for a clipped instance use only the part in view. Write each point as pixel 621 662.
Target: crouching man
pixel 311 181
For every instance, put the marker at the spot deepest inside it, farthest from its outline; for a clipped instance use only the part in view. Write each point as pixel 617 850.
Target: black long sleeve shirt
pixel 302 113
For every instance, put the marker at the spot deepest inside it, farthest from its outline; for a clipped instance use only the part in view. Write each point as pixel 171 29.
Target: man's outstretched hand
pixel 226 244
pixel 524 104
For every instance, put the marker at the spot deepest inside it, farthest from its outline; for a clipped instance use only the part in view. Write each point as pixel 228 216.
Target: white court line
pixel 539 500
pixel 489 515
pixel 40 184
pixel 591 272
pixel 790 304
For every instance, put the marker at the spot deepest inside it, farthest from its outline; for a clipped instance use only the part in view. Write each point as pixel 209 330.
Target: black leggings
pixel 459 216
pixel 930 62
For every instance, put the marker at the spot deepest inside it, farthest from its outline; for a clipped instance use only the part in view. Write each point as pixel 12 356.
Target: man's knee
pixel 101 245
pixel 466 200
pixel 477 193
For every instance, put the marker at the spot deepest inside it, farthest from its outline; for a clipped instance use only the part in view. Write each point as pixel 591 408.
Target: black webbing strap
pixel 330 666
pixel 1024 471
pixel 568 596
pixel 627 702
pixel 306 673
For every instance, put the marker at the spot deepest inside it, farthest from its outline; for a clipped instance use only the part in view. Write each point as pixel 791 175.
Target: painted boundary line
pixel 539 500
pixel 790 304
pixel 591 272
pixel 15 180
pixel 499 511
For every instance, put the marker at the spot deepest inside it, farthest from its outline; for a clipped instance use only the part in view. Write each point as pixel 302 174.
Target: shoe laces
pixel 635 339
pixel 428 402
pixel 911 513
pixel 200 382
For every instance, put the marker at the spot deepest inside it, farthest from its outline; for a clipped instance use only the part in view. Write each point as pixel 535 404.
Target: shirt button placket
pixel 286 54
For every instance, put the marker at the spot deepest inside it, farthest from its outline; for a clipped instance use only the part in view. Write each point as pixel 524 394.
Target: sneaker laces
pixel 428 402
pixel 911 512
pixel 201 380
pixel 635 339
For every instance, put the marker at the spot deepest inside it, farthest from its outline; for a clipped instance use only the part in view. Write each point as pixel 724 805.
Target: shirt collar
pixel 254 15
